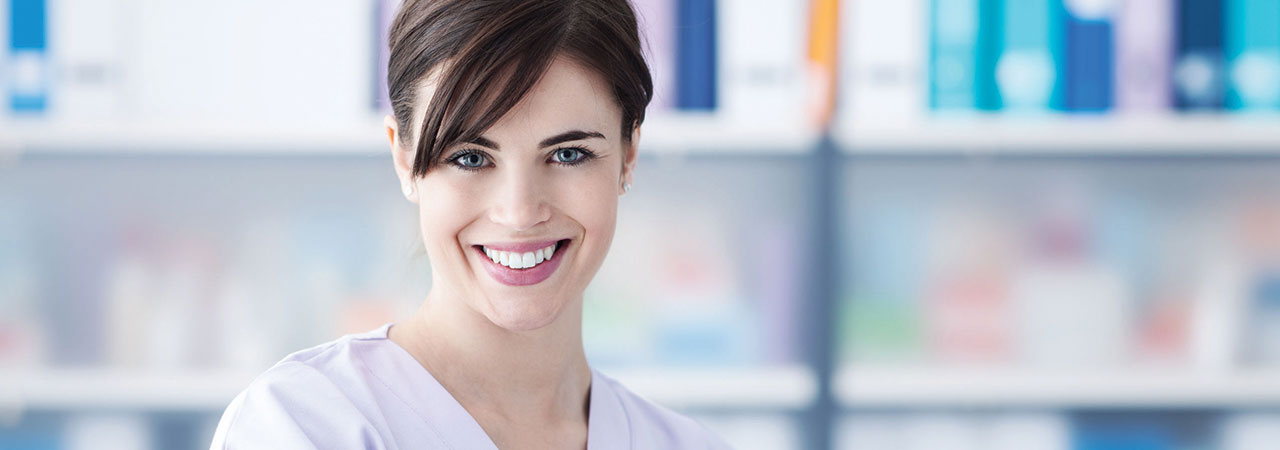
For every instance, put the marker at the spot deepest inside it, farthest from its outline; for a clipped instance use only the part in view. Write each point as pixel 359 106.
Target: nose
pixel 519 201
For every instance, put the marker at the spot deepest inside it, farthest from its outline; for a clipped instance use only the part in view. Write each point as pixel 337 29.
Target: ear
pixel 629 160
pixel 401 158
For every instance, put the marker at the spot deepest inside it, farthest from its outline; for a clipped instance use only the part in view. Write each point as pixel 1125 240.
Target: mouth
pixel 523 268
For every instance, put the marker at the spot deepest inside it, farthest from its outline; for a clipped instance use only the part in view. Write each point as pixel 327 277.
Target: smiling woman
pixel 508 193
pixel 515 131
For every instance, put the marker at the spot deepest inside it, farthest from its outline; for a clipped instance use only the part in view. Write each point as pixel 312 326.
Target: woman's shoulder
pixel 656 426
pixel 312 395
pixel 338 353
pixel 334 365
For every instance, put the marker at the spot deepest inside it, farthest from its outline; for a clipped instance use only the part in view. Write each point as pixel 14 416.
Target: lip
pixel 523 277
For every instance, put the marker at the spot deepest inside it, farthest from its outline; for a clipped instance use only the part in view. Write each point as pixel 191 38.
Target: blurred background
pixel 856 224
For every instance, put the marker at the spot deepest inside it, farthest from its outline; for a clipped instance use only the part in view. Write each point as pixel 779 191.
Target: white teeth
pixel 521 260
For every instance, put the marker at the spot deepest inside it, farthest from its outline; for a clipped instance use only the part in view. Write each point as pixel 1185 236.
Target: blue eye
pixel 572 156
pixel 471 160
pixel 467 160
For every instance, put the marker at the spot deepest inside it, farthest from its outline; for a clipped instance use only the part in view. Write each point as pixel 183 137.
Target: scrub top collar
pixel 607 425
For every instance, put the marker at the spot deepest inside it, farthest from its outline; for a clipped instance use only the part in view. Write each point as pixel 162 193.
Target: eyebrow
pixel 575 135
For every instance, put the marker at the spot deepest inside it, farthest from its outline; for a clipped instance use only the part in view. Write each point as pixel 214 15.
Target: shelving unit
pixel 1172 387
pixel 816 390
pixel 777 388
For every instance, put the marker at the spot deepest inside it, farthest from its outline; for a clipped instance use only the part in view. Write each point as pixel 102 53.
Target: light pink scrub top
pixel 363 391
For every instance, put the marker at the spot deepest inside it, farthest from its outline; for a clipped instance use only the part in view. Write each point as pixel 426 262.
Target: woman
pixel 514 131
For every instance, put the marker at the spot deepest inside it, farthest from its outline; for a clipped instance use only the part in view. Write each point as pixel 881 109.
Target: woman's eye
pixel 471 160
pixel 572 155
pixel 468 160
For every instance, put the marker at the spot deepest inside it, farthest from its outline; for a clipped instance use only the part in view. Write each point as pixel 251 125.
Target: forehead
pixel 569 96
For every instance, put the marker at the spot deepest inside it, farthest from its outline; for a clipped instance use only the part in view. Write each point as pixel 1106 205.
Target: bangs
pixel 484 56
pixel 489 76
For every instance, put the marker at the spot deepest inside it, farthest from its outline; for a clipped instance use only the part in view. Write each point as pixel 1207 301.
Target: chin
pixel 521 316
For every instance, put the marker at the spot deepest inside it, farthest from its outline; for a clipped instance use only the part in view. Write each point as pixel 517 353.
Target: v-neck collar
pixel 607 424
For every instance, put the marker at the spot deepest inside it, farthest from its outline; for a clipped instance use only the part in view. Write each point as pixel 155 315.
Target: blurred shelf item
pixel 1192 134
pixel 914 387
pixel 80 389
pixel 680 133
pixel 783 387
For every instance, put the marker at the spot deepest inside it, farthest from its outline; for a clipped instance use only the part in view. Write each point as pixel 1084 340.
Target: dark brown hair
pixel 494 52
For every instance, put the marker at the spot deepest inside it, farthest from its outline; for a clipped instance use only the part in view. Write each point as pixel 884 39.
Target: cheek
pixel 443 209
pixel 594 203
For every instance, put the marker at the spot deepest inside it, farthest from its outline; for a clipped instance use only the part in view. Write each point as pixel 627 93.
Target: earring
pixel 626 187
pixel 407 188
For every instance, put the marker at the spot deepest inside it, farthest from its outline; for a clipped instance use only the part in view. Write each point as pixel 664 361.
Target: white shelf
pixel 179 137
pixel 1071 135
pixel 874 387
pixel 706 133
pixel 64 389
pixel 664 134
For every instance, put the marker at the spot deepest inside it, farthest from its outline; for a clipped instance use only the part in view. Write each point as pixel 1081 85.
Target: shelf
pixel 664 134
pixel 160 137
pixel 64 389
pixel 706 133
pixel 875 387
pixel 1072 135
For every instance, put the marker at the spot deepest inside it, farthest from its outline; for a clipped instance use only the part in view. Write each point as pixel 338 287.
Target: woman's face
pixel 548 173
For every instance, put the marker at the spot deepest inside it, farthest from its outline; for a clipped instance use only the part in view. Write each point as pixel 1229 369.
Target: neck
pixel 537 374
